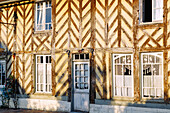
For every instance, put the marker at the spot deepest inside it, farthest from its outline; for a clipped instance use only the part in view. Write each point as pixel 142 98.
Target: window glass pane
pixel 128 59
pixel 158 60
pixel 82 86
pixel 158 3
pixel 117 59
pixel 86 79
pixel 87 56
pixel 77 85
pixel 158 14
pixel 122 59
pixel 127 70
pixel 39 16
pixel 147 70
pixel 151 59
pixel 85 73
pixel 145 58
pixel 81 56
pixel 46 59
pixel 77 56
pixel 85 86
pixel 48 15
pixel 86 66
pixel 118 69
pixel 41 58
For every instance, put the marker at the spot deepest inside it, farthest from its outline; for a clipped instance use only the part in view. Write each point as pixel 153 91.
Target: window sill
pixel 119 98
pixel 151 24
pixel 42 96
pixel 43 32
pixel 154 100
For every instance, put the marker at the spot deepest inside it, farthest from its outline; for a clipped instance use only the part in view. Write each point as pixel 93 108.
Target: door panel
pixel 81 86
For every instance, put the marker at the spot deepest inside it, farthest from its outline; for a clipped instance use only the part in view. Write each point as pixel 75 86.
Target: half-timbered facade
pixel 87 51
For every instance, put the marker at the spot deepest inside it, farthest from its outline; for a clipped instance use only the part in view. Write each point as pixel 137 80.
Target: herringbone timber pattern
pixel 6 29
pixel 100 23
pixel 86 23
pixel 61 40
pixel 20 70
pixel 99 75
pixel 76 25
pixel 126 23
pixel 114 25
pixel 28 73
pixel 10 64
pixel 24 27
pixel 61 73
pixel 150 38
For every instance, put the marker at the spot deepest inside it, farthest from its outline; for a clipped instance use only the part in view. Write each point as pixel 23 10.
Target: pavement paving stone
pixel 26 111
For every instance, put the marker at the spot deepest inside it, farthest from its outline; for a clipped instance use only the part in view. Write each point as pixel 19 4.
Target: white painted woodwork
pixel 81 74
pixel 152 75
pixel 123 75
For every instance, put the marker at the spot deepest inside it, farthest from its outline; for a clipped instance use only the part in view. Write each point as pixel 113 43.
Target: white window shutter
pixel 157 10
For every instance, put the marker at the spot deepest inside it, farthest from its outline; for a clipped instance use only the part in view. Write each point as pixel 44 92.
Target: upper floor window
pixel 43 16
pixel 151 11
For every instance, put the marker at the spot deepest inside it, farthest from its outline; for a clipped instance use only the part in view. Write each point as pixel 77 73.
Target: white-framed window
pixel 123 75
pixel 151 11
pixel 43 73
pixel 152 74
pixel 2 72
pixel 43 16
pixel 81 71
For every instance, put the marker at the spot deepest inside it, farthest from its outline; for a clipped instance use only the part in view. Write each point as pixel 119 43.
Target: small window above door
pixel 82 56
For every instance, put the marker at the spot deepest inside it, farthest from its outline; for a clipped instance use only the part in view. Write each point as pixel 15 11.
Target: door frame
pixel 72 79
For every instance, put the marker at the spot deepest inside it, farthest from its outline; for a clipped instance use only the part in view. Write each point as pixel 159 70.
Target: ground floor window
pixel 152 74
pixel 43 73
pixel 2 72
pixel 123 75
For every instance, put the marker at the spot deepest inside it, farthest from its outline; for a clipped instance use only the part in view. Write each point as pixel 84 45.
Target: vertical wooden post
pixel 80 23
pixel 14 43
pixel 119 23
pixel 92 58
pixel 32 55
pixel 69 56
pixel 165 55
pixel 165 70
pixel 53 46
pixel 23 48
pixel 136 52
pixel 104 52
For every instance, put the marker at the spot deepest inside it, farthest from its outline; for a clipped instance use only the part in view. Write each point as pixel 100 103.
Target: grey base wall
pixel 43 104
pixel 94 108
pixel 58 105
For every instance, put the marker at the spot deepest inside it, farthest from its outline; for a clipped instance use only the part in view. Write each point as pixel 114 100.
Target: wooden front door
pixel 81 86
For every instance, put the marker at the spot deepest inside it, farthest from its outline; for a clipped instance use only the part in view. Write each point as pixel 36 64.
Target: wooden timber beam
pixel 136 52
pixel 119 23
pixel 53 47
pixel 92 55
pixel 165 53
pixel 69 56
